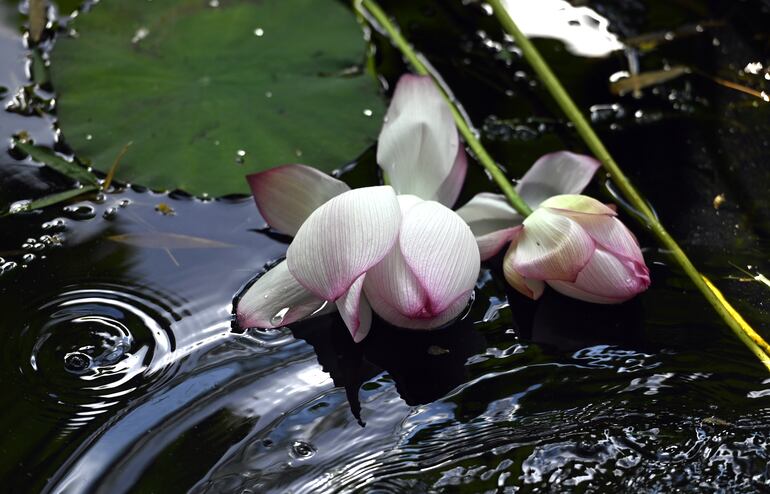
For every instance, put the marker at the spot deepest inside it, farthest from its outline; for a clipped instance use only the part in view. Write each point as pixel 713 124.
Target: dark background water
pixel 121 372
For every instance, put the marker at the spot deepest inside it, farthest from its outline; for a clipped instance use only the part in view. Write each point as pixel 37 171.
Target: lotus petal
pixel 441 252
pixel 492 220
pixel 610 234
pixel 288 194
pixel 394 291
pixel 605 280
pixel 450 190
pixel 552 247
pixel 568 203
pixel 418 144
pixel 343 238
pixel 275 299
pixel 355 310
pixel 392 283
pixel 526 286
pixel 556 173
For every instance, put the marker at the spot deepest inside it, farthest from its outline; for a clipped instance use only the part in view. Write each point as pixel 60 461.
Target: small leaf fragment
pixel 67 168
pixel 52 199
pixel 165 209
pixel 645 79
pixel 37 19
pixel 165 240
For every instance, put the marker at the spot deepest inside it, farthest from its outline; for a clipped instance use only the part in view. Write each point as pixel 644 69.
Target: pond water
pixel 122 371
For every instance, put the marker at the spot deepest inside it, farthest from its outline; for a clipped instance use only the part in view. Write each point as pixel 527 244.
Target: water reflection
pixel 425 365
pixel 583 31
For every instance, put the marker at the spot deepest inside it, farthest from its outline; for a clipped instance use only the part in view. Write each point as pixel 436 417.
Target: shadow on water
pixel 121 373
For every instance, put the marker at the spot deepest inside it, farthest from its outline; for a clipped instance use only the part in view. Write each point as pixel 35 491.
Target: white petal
pixel 605 280
pixel 551 247
pixel 276 299
pixel 526 286
pixel 419 142
pixel 492 220
pixel 449 191
pixel 355 310
pixel 391 283
pixel 441 252
pixel 288 194
pixel 492 243
pixel 488 212
pixel 343 238
pixel 556 173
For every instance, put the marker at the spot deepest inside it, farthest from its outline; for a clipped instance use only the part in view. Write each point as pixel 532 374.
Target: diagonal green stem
pixel 374 10
pixel 746 334
pixel 370 10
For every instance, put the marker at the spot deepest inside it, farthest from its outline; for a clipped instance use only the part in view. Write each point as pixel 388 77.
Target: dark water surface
pixel 121 372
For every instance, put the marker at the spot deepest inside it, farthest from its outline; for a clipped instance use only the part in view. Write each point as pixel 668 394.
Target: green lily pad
pixel 209 91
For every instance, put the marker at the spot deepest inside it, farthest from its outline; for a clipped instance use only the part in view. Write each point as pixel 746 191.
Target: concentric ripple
pixel 88 347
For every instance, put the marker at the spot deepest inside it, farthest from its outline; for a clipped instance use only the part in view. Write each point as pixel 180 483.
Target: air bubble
pixel 80 212
pixel 110 213
pixel 302 450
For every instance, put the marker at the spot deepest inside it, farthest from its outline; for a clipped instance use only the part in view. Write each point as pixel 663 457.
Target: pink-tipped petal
pixel 578 204
pixel 492 243
pixel 492 220
pixel 418 144
pixel 610 234
pixel 450 190
pixel 556 173
pixel 288 194
pixel 552 247
pixel 527 287
pixel 391 286
pixel 392 283
pixel 343 238
pixel 276 299
pixel 355 310
pixel 396 295
pixel 396 318
pixel 605 280
pixel 441 252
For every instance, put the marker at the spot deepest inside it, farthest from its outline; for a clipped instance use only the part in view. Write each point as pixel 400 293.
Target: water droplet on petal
pixel 277 319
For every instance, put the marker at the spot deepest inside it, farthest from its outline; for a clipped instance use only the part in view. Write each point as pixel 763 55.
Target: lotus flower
pixel 397 250
pixel 572 242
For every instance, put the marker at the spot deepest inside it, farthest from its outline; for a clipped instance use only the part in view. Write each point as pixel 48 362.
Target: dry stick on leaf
pixel 37 19
pixel 372 12
pixel 114 167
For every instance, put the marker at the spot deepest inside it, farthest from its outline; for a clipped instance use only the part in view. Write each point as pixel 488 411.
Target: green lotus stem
pixel 467 132
pixel 370 9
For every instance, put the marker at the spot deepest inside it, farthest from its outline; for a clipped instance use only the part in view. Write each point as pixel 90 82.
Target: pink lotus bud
pixel 578 246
